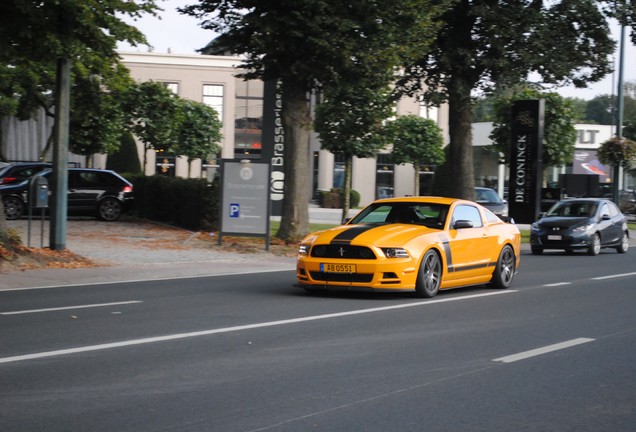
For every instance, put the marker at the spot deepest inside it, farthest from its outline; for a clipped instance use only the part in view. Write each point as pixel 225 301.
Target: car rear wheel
pixel 109 209
pixel 13 208
pixel 505 269
pixel 429 277
pixel 624 246
pixel 595 246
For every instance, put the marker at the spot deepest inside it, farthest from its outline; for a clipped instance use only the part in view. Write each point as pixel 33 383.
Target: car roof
pixel 422 199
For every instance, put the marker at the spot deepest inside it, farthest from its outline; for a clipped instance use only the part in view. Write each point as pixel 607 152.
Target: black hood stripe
pixel 348 235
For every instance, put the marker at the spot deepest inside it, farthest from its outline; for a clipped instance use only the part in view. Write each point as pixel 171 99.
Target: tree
pixel 487 45
pixel 618 152
pixel 152 116
pixel 349 122
pixel 559 137
pixel 35 34
pixel 198 131
pixel 305 45
pixel 125 159
pixel 418 141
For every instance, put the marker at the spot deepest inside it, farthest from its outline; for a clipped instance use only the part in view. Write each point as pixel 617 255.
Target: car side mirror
pixel 463 224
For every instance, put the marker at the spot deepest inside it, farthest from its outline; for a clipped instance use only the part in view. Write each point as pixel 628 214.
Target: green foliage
pixel 559 132
pixel 152 114
pixel 198 131
pixel 416 140
pixel 125 159
pixel 617 151
pixel 188 203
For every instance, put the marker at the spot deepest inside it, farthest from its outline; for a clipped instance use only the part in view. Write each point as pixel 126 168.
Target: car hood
pixel 385 235
pixel 563 222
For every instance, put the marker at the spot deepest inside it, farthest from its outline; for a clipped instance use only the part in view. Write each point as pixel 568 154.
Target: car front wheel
pixel 505 269
pixel 109 209
pixel 13 208
pixel 429 277
pixel 595 246
pixel 624 246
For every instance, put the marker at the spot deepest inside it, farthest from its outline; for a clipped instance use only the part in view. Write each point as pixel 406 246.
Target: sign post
pixel 245 204
pixel 526 160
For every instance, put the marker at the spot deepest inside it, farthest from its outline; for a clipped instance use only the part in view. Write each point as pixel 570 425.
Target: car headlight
pixel 395 252
pixel 535 227
pixel 303 249
pixel 583 228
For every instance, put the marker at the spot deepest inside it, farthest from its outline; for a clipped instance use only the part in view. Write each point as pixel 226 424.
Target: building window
pixel 384 176
pixel 339 163
pixel 248 119
pixel 428 111
pixel 172 86
pixel 213 97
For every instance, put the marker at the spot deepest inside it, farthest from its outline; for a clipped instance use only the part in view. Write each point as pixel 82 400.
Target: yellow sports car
pixel 419 244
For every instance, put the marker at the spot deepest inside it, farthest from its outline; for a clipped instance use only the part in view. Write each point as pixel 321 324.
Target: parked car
pixel 413 244
pixel 627 201
pixel 103 193
pixel 16 172
pixel 581 224
pixel 491 200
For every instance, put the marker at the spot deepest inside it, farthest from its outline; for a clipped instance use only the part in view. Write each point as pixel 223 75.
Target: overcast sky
pixel 181 34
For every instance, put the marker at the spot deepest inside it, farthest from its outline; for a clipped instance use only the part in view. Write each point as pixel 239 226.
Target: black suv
pixel 16 172
pixel 103 193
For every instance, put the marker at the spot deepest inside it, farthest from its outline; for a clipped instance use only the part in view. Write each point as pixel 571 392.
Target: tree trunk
pixel 296 118
pixel 346 192
pixel 462 184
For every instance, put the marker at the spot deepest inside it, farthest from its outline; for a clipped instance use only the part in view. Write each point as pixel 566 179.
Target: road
pixel 556 352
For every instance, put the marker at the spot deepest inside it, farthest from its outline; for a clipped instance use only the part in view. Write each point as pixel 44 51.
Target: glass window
pixel 172 86
pixel 384 176
pixel 248 119
pixel 467 212
pixel 213 97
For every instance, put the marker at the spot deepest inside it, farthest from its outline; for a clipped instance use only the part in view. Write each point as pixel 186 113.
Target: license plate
pixel 338 268
pixel 554 237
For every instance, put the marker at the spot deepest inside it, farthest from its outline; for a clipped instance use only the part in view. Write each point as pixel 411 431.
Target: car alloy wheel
pixel 624 246
pixel 505 269
pixel 109 209
pixel 13 208
pixel 429 277
pixel 595 246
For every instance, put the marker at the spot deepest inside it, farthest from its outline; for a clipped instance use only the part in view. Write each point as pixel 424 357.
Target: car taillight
pixel 7 180
pixel 127 189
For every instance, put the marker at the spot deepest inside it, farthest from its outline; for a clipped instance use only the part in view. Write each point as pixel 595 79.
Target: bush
pixel 334 198
pixel 192 204
pixel 125 159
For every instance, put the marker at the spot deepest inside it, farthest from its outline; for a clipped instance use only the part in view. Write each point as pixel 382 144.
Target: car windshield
pixel 573 209
pixel 486 196
pixel 431 215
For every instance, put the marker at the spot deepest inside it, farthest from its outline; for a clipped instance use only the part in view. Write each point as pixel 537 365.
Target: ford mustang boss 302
pixel 417 244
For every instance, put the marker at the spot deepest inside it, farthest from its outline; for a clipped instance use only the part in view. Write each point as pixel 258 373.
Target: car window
pixel 491 217
pixel 431 215
pixel 573 209
pixel 467 212
pixel 486 196
pixel 605 211
pixel 613 209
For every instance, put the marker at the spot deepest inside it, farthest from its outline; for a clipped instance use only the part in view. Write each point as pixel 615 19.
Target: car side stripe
pixel 353 232
pixel 447 252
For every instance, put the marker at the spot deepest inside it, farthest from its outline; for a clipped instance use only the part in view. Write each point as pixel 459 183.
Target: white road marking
pixel 558 284
pixel 614 276
pixel 238 328
pixel 69 307
pixel 539 351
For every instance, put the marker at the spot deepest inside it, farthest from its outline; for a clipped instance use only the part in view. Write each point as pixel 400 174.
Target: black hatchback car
pixel 581 224
pixel 16 172
pixel 102 193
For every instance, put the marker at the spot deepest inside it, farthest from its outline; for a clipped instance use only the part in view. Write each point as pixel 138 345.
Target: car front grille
pixel 340 251
pixel 342 277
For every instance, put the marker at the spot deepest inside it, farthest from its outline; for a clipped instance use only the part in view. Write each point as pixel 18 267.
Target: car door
pixel 84 189
pixel 610 224
pixel 470 247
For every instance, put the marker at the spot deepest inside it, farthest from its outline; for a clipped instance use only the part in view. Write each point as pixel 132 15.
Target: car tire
pixel 624 246
pixel 595 247
pixel 536 250
pixel 109 209
pixel 429 278
pixel 13 208
pixel 505 270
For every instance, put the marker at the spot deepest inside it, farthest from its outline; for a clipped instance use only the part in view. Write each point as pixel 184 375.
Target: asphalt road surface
pixel 556 352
